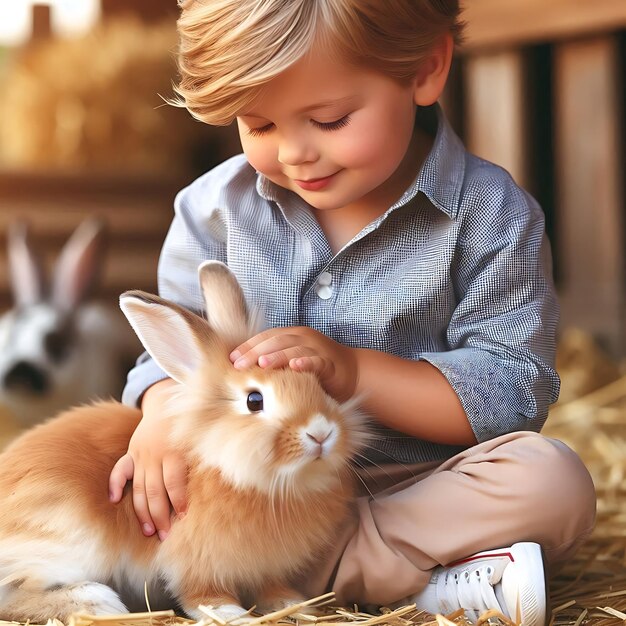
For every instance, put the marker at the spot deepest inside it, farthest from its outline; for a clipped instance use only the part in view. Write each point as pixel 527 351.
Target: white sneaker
pixel 510 580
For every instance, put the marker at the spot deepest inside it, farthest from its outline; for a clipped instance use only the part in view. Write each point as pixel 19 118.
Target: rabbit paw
pixel 96 599
pixel 225 612
pixel 26 603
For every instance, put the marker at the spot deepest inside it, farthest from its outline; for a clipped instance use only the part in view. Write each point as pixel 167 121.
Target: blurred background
pixel 537 87
pixel 84 128
pixel 90 160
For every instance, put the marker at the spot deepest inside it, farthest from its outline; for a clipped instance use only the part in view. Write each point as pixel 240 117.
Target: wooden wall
pixel 137 209
pixel 149 10
pixel 539 88
pixel 137 206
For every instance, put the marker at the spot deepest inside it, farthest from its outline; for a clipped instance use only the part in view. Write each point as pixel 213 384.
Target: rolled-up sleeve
pixel 502 334
pixel 197 233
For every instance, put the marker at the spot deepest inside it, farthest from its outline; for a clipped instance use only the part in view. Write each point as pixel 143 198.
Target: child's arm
pixel 413 397
pixel 197 233
pixel 158 471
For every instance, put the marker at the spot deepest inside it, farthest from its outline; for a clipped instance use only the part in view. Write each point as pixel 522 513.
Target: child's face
pixel 336 135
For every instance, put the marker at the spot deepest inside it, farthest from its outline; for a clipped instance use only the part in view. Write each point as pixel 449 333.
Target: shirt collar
pixel 440 178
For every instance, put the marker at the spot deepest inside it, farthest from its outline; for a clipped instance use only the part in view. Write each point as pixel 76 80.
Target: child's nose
pixel 294 151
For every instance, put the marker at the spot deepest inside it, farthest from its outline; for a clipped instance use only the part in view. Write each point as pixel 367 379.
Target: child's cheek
pixel 262 158
pixel 358 151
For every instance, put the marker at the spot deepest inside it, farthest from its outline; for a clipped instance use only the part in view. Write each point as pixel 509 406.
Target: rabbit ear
pixel 24 266
pixel 79 265
pixel 226 308
pixel 179 341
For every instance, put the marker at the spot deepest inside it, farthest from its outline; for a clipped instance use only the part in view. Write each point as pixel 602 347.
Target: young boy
pixel 395 266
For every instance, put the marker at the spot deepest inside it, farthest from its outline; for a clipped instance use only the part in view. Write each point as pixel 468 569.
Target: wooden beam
pixel 507 23
pixel 590 194
pixel 147 10
pixel 495 110
pixel 137 210
pixel 41 22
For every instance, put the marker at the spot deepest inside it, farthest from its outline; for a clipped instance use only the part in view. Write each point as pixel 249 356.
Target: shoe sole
pixel 532 596
pixel 546 588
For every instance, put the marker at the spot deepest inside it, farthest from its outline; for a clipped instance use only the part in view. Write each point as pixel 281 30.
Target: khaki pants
pixel 517 487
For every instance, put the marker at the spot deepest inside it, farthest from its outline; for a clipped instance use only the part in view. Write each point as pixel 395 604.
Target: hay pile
pixel 591 419
pixel 590 590
pixel 92 103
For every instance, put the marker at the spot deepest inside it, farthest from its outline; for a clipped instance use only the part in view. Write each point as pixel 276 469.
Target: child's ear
pixel 432 75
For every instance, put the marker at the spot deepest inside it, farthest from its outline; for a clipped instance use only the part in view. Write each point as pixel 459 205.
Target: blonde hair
pixel 229 49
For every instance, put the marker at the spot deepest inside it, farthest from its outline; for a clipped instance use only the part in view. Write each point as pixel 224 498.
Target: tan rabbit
pixel 269 481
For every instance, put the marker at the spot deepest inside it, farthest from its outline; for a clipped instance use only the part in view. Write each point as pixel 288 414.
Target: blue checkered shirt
pixel 457 273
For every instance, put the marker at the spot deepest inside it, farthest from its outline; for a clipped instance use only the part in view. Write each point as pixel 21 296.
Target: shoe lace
pixel 471 590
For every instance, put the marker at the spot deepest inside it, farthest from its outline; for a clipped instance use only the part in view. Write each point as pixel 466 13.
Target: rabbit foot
pixel 25 603
pixel 97 599
pixel 225 612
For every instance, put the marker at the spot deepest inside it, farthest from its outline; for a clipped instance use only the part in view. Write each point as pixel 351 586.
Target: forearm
pixel 143 376
pixel 412 397
pixel 155 396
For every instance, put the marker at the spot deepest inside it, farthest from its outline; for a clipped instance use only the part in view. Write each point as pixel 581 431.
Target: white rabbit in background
pixel 57 349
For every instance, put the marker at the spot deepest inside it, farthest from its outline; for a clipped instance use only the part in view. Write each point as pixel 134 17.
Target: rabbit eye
pixel 255 401
pixel 56 345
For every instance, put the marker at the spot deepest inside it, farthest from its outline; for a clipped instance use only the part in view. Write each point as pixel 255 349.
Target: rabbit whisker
pixel 380 467
pixel 397 436
pixel 393 460
pixel 363 468
pixel 363 482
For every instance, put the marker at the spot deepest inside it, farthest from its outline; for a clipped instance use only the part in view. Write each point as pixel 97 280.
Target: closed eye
pixel 336 125
pixel 261 130
pixel 342 122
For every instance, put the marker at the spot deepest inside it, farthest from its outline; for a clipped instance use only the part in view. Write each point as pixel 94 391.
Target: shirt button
pixel 324 291
pixel 325 279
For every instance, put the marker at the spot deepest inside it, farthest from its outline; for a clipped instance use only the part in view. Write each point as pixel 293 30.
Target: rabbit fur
pixel 56 349
pixel 269 483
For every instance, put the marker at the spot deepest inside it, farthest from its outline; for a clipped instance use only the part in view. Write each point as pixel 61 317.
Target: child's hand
pixel 159 474
pixel 303 349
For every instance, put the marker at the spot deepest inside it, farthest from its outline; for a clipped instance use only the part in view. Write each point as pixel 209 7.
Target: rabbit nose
pixel 319 437
pixel 27 377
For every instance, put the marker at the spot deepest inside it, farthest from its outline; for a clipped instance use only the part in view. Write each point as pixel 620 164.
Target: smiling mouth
pixel 315 184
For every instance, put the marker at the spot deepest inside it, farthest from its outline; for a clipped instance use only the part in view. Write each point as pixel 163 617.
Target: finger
pixel 270 351
pixel 158 500
pixel 245 347
pixel 121 473
pixel 324 369
pixel 140 503
pixel 312 363
pixel 257 340
pixel 175 479
pixel 282 358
